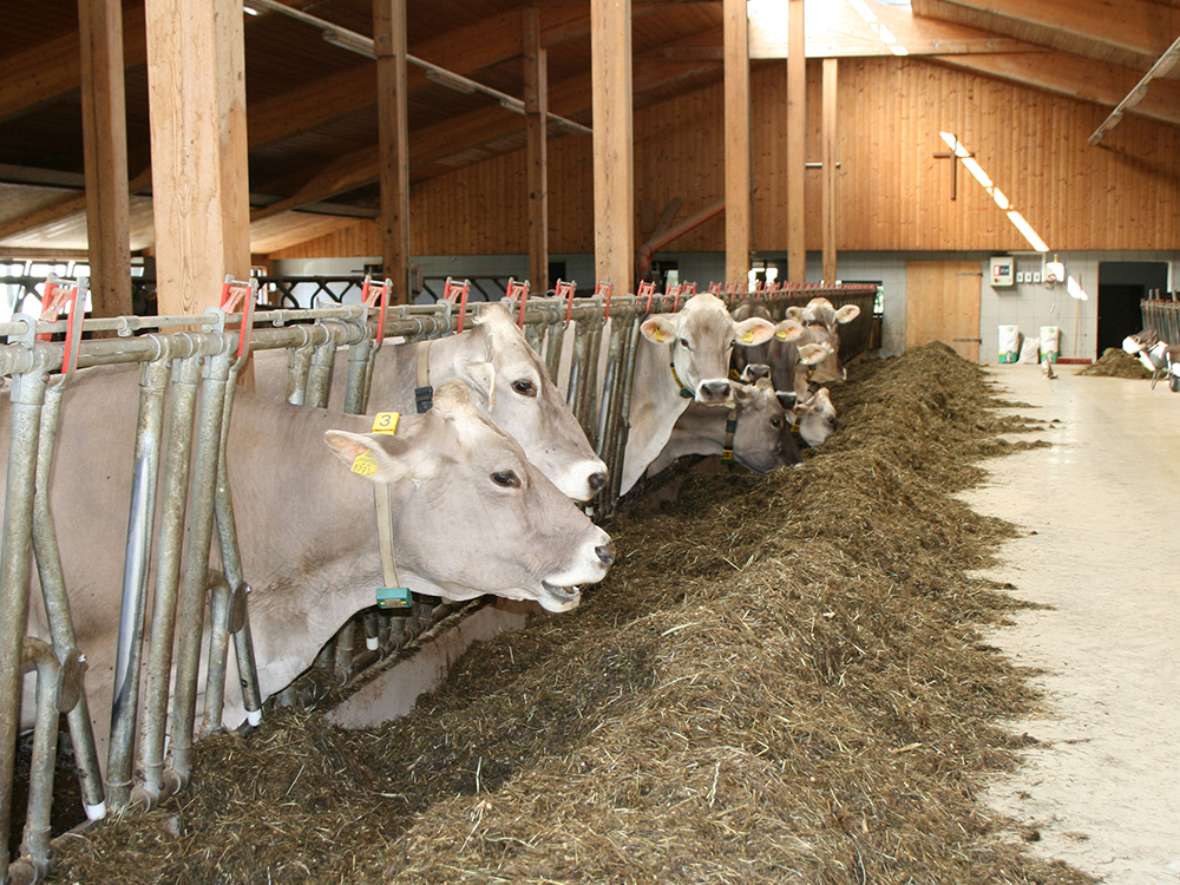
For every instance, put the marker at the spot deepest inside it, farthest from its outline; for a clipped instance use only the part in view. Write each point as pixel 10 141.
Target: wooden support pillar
pixel 200 185
pixel 796 143
pixel 389 41
pixel 614 162
pixel 104 140
pixel 536 106
pixel 830 84
pixel 737 141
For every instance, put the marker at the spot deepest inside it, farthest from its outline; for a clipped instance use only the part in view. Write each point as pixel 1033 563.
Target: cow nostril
pixel 606 553
pixel 716 389
pixel 597 481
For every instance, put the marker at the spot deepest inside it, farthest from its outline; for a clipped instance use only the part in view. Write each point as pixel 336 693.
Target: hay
pixel 1116 363
pixel 782 680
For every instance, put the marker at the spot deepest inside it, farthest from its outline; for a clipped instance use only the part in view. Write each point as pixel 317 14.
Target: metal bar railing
pixel 1163 318
pixel 187 376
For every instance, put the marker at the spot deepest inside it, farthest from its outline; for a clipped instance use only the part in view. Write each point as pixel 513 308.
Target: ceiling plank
pixel 43 72
pixel 1076 76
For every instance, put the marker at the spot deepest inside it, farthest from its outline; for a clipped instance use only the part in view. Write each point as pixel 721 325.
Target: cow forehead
pixel 707 320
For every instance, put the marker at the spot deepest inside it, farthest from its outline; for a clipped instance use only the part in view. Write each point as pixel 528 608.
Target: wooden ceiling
pixel 312 106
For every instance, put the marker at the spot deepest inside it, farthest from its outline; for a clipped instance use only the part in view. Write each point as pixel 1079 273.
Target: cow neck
pixel 731 422
pixel 685 393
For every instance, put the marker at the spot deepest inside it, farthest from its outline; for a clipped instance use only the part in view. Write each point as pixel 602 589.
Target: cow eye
pixel 684 344
pixel 524 387
pixel 776 422
pixel 506 479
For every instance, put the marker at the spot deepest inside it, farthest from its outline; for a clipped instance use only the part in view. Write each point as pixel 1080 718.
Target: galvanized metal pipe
pixel 217 654
pixel 195 572
pixel 57 692
pixel 319 376
pixel 174 495
pixel 616 480
pixel 360 355
pixel 588 414
pixel 577 364
pixel 231 564
pixel 27 395
pixel 553 340
pixel 140 520
pixel 298 364
pixel 51 577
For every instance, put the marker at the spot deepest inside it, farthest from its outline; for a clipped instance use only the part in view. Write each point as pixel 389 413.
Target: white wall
pixel 1026 306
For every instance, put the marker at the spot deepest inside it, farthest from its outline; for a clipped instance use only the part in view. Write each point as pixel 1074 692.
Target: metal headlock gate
pixel 181 495
pixel 1163 318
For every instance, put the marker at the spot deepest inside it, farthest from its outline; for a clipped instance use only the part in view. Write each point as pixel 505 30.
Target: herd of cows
pixel 485 485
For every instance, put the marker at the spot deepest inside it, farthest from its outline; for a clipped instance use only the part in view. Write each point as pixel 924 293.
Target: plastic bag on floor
pixel 1030 352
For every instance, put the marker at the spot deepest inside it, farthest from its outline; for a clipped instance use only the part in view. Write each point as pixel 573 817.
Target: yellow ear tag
pixel 386 422
pixel 747 338
pixel 662 336
pixel 781 334
pixel 364 465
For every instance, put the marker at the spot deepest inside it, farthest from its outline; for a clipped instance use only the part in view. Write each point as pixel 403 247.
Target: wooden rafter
pixel 1077 77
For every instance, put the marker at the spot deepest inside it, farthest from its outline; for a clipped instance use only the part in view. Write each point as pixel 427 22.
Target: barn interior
pixel 1001 177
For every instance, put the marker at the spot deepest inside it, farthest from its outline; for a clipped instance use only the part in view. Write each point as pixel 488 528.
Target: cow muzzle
pixel 714 392
pixel 591 560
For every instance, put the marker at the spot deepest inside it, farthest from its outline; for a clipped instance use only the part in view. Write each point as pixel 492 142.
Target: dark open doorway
pixel 1121 286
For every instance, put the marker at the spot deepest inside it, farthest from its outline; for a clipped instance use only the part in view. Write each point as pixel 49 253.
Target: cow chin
pixel 762 465
pixel 559 599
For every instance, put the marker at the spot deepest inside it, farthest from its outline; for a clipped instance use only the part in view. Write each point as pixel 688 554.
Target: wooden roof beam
pixel 1140 26
pixel 1076 76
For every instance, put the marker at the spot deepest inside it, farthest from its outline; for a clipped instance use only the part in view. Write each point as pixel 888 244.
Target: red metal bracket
pixel 519 293
pixel 606 290
pixel 235 291
pixel 674 294
pixel 689 289
pixel 565 290
pixel 647 291
pixel 56 299
pixel 377 295
pixel 460 292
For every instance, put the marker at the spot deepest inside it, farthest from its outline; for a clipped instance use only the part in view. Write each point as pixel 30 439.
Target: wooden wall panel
pixel 894 196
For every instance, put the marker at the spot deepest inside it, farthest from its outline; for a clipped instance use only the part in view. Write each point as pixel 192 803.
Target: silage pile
pixel 1116 363
pixel 783 680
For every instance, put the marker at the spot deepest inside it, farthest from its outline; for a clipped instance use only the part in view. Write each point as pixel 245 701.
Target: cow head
pixel 754 355
pixel 816 417
pixel 525 403
pixel 822 322
pixel 458 481
pixel 763 439
pixel 701 338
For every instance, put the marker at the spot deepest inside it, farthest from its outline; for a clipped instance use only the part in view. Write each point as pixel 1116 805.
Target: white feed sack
pixel 1050 343
pixel 1030 352
pixel 1009 344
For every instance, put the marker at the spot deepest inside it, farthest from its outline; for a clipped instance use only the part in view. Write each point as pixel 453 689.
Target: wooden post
pixel 389 41
pixel 830 159
pixel 104 140
pixel 614 161
pixel 737 142
pixel 536 105
pixel 200 187
pixel 796 143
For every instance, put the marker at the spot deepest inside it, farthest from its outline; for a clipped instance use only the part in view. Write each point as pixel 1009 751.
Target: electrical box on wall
pixel 1003 271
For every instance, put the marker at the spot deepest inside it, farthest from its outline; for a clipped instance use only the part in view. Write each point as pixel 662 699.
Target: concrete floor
pixel 1104 789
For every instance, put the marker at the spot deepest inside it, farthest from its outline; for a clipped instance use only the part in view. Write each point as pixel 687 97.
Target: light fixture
pixel 249 10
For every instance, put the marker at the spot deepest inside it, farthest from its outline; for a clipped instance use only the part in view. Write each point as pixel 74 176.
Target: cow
pixel 683 358
pixel 814 417
pixel 472 516
pixel 521 399
pixel 761 437
pixel 758 354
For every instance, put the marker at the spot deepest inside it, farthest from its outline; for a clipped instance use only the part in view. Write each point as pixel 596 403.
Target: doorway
pixel 942 304
pixel 1121 286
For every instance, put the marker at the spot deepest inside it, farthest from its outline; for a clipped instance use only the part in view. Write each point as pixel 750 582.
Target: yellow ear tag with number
pixel 364 465
pixel 748 337
pixel 386 422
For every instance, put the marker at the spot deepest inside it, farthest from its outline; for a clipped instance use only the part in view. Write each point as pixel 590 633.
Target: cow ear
pixel 789 330
pixel 480 377
pixel 366 456
pixel 823 401
pixel 795 313
pixel 813 354
pixel 754 331
pixel 743 394
pixel 658 330
pixel 847 314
